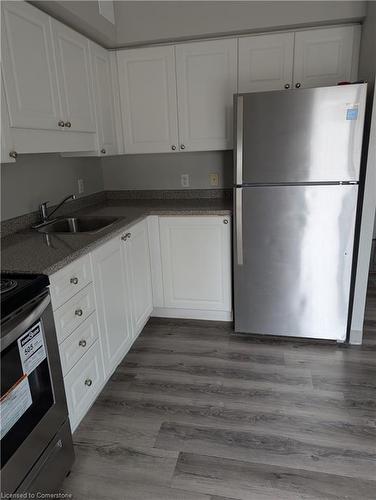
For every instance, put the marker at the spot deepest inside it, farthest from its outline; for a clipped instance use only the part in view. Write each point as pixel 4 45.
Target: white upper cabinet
pixel 148 98
pixel 29 68
pixel 6 140
pixel 326 56
pixel 104 100
pixel 206 82
pixel 75 81
pixel 266 62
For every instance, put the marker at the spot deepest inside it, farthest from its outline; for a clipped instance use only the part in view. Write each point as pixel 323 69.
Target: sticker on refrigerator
pixel 352 113
pixel 13 404
pixel 32 349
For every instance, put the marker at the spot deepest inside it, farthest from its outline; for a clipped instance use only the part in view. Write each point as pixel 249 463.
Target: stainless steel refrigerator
pixel 297 161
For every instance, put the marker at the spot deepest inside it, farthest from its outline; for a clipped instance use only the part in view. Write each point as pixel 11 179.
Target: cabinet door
pixel 29 67
pixel 206 82
pixel 104 100
pixel 73 66
pixel 325 56
pixel 196 262
pixel 137 258
pixel 6 140
pixel 148 99
pixel 265 62
pixel 112 302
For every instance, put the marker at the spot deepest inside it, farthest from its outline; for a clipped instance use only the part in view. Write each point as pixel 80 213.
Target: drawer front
pixel 74 312
pixel 83 383
pixel 70 280
pixel 78 343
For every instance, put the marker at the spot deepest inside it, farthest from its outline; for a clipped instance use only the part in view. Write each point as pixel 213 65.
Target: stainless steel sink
pixel 76 224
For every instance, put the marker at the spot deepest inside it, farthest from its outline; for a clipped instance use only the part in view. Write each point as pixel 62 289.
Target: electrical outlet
pixel 214 179
pixel 184 178
pixel 81 187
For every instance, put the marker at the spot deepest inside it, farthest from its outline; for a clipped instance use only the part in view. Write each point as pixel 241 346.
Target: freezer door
pixel 305 135
pixel 292 260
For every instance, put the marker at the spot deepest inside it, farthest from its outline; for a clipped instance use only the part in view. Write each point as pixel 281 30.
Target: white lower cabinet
pixel 137 261
pixel 112 296
pixel 83 384
pixel 196 267
pixel 162 266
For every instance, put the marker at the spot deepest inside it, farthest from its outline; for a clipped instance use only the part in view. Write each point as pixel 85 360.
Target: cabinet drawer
pixel 83 383
pixel 78 343
pixel 70 280
pixel 71 314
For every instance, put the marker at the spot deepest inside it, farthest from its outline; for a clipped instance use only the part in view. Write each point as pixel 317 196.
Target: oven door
pixel 33 404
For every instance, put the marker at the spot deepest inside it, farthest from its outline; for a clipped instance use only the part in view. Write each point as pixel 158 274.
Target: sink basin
pixel 77 224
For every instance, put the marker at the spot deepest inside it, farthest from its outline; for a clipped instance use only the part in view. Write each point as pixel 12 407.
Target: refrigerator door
pixel 305 135
pixel 292 259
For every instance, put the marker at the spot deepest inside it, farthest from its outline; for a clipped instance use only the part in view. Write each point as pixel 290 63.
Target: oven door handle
pixel 23 321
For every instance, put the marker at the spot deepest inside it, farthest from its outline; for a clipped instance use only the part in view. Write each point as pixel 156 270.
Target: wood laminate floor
pixel 197 413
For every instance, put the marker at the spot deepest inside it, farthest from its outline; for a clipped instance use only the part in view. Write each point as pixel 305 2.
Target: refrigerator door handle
pixel 239 224
pixel 239 140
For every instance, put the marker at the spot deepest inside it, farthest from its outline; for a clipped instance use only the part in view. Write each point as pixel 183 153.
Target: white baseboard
pixel 356 337
pixel 169 312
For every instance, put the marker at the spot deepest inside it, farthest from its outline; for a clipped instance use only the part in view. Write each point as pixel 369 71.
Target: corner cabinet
pixel 196 267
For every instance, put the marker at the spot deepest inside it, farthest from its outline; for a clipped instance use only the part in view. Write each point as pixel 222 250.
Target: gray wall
pixel 367 59
pixel 140 22
pixel 37 178
pixel 163 171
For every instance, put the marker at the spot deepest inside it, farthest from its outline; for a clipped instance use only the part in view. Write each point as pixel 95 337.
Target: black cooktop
pixel 18 289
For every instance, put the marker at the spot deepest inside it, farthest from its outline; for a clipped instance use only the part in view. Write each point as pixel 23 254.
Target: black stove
pixel 16 290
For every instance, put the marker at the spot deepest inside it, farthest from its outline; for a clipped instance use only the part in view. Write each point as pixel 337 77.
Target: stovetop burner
pixel 6 285
pixel 17 289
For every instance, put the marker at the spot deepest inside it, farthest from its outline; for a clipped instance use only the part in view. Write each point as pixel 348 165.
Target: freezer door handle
pixel 239 140
pixel 239 224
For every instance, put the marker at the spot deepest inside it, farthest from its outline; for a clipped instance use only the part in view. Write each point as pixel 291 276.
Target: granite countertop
pixel 28 251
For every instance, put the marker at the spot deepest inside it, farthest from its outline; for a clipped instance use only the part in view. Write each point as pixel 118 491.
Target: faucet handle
pixel 43 210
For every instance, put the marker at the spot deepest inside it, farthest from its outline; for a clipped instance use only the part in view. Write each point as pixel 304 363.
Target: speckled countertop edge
pixel 21 261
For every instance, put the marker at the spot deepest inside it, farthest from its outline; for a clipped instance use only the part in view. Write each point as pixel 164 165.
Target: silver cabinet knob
pixel 225 221
pixel 74 281
pixel 13 154
pixel 61 123
pixel 82 343
pixel 88 382
pixel 126 236
pixel 68 124
pixel 78 312
pixel 103 151
pixel 298 85
pixel 182 146
pixel 287 86
pixel 173 147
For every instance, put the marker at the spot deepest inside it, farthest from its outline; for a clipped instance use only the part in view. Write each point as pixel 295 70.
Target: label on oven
pixel 32 349
pixel 13 404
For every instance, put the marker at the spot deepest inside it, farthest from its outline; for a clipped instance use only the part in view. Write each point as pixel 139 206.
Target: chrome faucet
pixel 45 216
